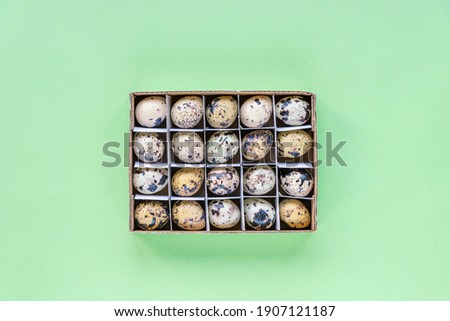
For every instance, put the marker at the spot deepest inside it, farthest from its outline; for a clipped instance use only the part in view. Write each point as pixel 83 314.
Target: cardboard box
pixel 166 131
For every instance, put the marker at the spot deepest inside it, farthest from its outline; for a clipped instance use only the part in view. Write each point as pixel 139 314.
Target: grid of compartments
pixel 204 196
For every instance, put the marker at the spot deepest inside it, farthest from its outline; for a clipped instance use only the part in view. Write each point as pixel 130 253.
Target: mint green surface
pixel 381 73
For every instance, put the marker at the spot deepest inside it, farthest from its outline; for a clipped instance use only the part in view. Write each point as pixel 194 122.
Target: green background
pixel 381 74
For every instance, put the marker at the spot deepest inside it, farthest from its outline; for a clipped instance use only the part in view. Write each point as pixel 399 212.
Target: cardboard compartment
pixel 173 100
pixel 308 205
pixel 270 158
pixel 161 163
pixel 209 99
pixel 309 157
pixel 166 227
pixel 236 193
pixel 186 147
pixel 199 194
pixel 283 193
pixel 272 192
pixel 163 192
pixel 221 149
pixel 272 200
pixel 270 123
pixel 138 127
pixel 307 97
pixel 237 227
pixel 175 227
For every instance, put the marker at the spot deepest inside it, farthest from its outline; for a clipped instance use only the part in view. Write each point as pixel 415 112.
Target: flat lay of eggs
pixel 223 162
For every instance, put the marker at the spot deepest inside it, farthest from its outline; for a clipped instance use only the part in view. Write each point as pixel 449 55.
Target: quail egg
pixel 256 111
pixel 256 144
pixel 296 182
pixel 294 213
pixel 294 143
pixel 293 110
pixel 188 147
pixel 151 111
pixel 187 181
pixel 221 112
pixel 223 180
pixel 189 215
pixel 259 213
pixel 151 215
pixel 187 112
pixel 149 180
pixel 222 146
pixel 148 147
pixel 259 180
pixel 223 214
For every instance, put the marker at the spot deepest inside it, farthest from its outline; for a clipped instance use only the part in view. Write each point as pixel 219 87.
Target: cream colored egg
pixel 293 110
pixel 256 111
pixel 222 146
pixel 150 180
pixel 151 111
pixel 259 180
pixel 223 214
pixel 259 213
pixel 187 112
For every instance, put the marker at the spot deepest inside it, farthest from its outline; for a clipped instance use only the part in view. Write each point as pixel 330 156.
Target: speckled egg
pixel 187 181
pixel 293 110
pixel 256 111
pixel 223 180
pixel 187 112
pixel 256 144
pixel 259 213
pixel 148 147
pixel 150 180
pixel 151 215
pixel 294 143
pixel 259 180
pixel 221 147
pixel 188 147
pixel 221 112
pixel 223 214
pixel 189 215
pixel 151 111
pixel 296 182
pixel 294 213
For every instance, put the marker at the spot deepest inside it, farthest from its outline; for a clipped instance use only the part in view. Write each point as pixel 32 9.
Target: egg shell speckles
pixel 222 112
pixel 256 111
pixel 294 143
pixel 187 112
pixel 148 147
pixel 151 111
pixel 294 213
pixel 189 215
pixel 188 147
pixel 293 110
pixel 296 182
pixel 150 180
pixel 259 213
pixel 221 147
pixel 187 181
pixel 223 214
pixel 259 180
pixel 151 215
pixel 256 144
pixel 223 180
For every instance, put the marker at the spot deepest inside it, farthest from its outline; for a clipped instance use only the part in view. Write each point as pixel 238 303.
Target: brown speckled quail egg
pixel 293 143
pixel 259 180
pixel 188 147
pixel 293 110
pixel 148 147
pixel 221 147
pixel 296 182
pixel 151 111
pixel 187 112
pixel 151 215
pixel 223 214
pixel 223 180
pixel 256 144
pixel 150 180
pixel 187 181
pixel 294 213
pixel 221 112
pixel 189 215
pixel 259 213
pixel 256 111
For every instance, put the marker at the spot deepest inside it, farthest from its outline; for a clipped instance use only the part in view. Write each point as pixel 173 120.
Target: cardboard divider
pixel 204 196
pixel 270 123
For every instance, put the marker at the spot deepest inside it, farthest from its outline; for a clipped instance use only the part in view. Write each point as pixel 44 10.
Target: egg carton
pixel 167 129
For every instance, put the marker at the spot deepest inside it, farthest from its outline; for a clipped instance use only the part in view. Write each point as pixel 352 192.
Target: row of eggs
pixel 259 214
pixel 222 111
pixel 222 146
pixel 257 180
